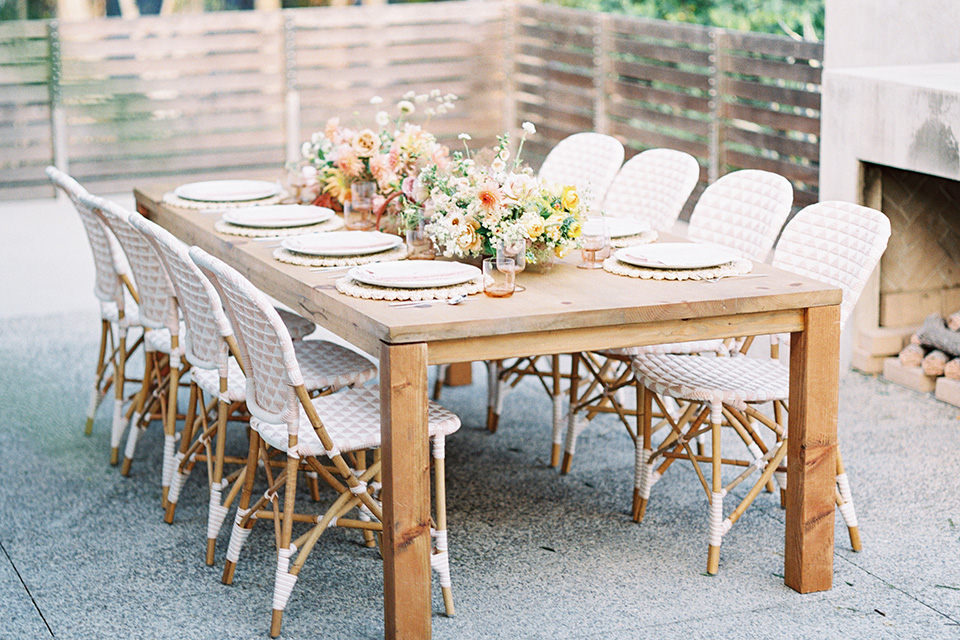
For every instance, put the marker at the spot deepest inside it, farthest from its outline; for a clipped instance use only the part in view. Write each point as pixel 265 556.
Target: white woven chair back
pixel 108 257
pixel 157 306
pixel 743 210
pixel 653 186
pixel 206 323
pixel 265 345
pixel 588 160
pixel 837 243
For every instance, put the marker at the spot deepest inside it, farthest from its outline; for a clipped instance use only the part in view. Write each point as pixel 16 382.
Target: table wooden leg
pixel 812 446
pixel 406 491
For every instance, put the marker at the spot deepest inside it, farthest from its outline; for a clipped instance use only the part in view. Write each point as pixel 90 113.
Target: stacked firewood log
pixel 935 347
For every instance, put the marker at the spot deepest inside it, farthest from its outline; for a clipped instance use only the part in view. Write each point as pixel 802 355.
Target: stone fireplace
pixel 890 125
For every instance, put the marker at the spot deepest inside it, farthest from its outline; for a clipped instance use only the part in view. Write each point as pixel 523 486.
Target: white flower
pixel 420 99
pixel 409 95
pixel 306 149
pixel 450 97
pixel 376 100
pixel 504 154
pixel 435 93
pixel 405 107
pixel 464 136
pixel 529 128
pixel 382 118
pixel 498 165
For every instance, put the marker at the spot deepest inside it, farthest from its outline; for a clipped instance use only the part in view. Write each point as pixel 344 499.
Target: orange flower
pixel 489 195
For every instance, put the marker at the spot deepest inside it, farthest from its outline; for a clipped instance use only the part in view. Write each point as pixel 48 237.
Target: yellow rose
pixel 561 251
pixel 534 228
pixel 574 230
pixel 570 199
pixel 366 143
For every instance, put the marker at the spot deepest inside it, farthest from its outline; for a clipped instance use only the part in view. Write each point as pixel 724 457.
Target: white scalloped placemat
pixel 644 237
pixel 173 199
pixel 734 268
pixel 351 287
pixel 223 226
pixel 299 259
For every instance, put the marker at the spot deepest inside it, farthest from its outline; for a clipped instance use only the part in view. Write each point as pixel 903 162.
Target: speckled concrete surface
pixel 534 554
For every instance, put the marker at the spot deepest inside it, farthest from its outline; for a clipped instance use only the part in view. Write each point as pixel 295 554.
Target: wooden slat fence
pixel 26 142
pixel 734 100
pixel 233 93
pixel 118 102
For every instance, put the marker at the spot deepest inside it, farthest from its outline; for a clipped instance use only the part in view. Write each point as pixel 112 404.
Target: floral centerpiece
pixel 473 206
pixel 341 156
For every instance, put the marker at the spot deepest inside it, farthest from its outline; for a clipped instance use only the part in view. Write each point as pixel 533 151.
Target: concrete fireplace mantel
pixel 906 117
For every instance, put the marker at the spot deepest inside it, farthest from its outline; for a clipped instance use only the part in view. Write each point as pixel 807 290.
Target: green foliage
pixel 794 17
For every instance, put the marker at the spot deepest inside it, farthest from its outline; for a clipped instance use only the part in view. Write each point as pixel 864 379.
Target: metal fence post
pixel 58 119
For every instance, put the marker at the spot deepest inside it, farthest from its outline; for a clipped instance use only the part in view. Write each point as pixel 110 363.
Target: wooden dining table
pixel 563 311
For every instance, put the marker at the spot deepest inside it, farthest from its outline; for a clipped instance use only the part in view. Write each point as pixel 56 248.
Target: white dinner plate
pixel 227 190
pixel 279 216
pixel 342 243
pixel 414 274
pixel 622 227
pixel 677 255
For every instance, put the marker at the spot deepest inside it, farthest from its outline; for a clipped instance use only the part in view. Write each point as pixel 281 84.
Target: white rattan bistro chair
pixel 652 187
pixel 306 430
pixel 590 161
pixel 744 210
pixel 835 242
pixel 211 350
pixel 160 320
pixel 118 314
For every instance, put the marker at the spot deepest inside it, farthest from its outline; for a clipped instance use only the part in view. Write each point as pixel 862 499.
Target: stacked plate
pixel 625 227
pixel 414 274
pixel 342 244
pixel 677 255
pixel 279 216
pixel 249 191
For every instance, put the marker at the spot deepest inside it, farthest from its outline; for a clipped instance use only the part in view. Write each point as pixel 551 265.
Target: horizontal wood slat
pixel 146 96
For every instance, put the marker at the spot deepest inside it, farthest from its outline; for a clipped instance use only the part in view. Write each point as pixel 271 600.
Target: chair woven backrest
pixel 108 258
pixel 653 186
pixel 587 160
pixel 743 210
pixel 157 305
pixel 837 243
pixel 265 345
pixel 206 323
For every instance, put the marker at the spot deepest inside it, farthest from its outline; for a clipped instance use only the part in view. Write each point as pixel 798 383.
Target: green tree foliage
pixel 802 18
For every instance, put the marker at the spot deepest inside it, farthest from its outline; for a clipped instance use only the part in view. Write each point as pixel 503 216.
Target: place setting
pixel 678 261
pixel 340 248
pixel 277 221
pixel 627 232
pixel 415 281
pixel 224 194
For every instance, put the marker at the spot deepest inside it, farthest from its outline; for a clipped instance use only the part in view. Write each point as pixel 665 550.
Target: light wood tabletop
pixel 563 311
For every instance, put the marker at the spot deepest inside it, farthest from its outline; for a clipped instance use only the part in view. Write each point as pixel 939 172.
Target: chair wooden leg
pixel 170 425
pixel 495 389
pixel 285 580
pixel 644 467
pixel 845 504
pixel 116 429
pixel 106 334
pixel 716 496
pixel 239 533
pixel 440 560
pixel 361 467
pixel 176 482
pixel 571 422
pixel 139 406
